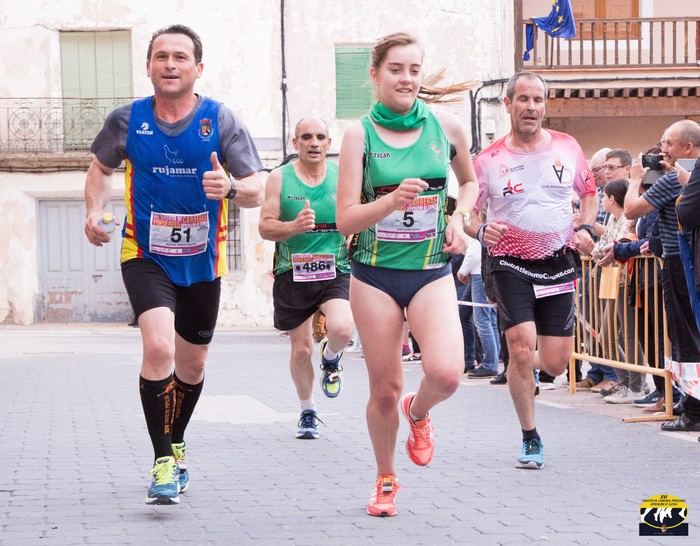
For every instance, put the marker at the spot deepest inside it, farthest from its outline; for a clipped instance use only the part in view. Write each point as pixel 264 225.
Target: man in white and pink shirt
pixel 526 180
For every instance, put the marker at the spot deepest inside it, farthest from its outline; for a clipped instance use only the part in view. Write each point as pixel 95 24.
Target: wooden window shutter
pixel 354 94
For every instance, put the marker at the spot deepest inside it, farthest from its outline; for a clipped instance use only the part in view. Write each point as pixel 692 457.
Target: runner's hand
pixel 408 190
pixel 583 241
pixel 216 182
pixel 305 220
pixel 493 233
pixel 455 238
pixel 94 231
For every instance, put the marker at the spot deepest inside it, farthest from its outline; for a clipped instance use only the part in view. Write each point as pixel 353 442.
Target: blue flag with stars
pixel 559 23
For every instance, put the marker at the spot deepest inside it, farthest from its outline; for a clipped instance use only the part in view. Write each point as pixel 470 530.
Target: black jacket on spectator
pixel 688 205
pixel 688 211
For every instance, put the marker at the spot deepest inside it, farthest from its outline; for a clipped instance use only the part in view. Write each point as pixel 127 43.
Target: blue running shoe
pixel 184 475
pixel 165 486
pixel 332 378
pixel 308 425
pixel 531 454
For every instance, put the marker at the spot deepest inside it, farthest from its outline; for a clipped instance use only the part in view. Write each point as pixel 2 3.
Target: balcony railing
pixel 619 43
pixel 35 125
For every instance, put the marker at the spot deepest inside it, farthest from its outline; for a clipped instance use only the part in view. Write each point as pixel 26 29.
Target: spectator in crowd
pixel 484 317
pixel 680 140
pixel 598 376
pixel 630 384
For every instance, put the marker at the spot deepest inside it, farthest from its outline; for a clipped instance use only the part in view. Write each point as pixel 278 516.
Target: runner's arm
pixel 589 208
pixel 270 226
pixel 461 163
pixel 249 190
pixel 98 185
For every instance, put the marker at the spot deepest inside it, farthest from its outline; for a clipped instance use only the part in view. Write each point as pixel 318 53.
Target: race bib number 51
pixel 179 234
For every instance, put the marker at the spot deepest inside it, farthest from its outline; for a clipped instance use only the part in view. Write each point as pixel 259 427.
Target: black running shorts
pixel 196 307
pixel 296 301
pixel 515 296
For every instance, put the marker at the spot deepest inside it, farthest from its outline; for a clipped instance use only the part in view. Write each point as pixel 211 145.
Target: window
pixel 96 77
pixel 354 94
pixel 607 9
pixel 234 255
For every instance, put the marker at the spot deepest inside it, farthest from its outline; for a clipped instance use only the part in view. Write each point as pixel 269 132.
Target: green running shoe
pixel 165 487
pixel 332 378
pixel 184 475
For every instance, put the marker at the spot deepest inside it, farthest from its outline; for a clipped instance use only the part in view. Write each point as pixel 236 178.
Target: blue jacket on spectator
pixel 645 232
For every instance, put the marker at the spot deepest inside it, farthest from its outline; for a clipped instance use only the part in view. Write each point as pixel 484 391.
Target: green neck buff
pixel 414 118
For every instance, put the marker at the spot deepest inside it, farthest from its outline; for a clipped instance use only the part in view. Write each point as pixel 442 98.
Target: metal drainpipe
pixel 283 85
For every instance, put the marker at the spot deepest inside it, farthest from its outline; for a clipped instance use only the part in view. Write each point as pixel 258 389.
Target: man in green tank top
pixel 311 264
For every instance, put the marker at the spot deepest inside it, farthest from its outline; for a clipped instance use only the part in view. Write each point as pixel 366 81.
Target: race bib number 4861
pixel 313 267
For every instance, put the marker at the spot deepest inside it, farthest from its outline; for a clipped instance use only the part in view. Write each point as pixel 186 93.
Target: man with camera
pixel 680 140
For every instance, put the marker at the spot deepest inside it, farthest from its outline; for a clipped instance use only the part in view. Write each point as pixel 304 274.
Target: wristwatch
pixel 588 228
pixel 234 189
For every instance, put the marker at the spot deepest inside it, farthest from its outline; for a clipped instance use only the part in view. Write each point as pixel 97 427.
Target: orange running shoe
pixel 419 445
pixel 382 503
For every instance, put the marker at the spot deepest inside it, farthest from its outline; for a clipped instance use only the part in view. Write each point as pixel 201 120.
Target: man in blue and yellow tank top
pixel 311 265
pixel 174 234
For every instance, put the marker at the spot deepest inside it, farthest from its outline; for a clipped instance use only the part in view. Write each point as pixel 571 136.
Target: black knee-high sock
pixel 186 397
pixel 531 435
pixel 158 401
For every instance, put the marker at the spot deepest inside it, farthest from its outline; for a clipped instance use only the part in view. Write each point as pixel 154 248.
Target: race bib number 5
pixel 313 267
pixel 179 234
pixel 411 224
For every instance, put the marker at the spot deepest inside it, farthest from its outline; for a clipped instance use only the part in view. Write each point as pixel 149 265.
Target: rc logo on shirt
pixel 295 198
pixel 145 129
pixel 663 515
pixel 511 188
pixel 205 128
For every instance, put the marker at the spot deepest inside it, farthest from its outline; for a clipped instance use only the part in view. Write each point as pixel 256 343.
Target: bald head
pixel 311 141
pixel 314 122
pixel 688 131
pixel 681 140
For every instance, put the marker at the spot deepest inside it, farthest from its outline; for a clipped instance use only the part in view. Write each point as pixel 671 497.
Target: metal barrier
pixel 621 323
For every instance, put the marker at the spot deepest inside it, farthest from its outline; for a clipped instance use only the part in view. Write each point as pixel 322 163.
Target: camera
pixel 652 161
